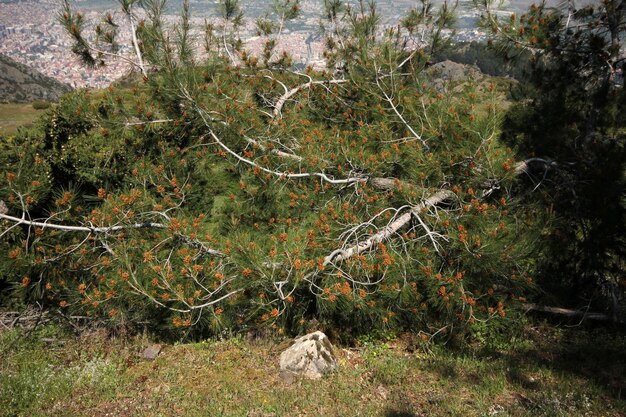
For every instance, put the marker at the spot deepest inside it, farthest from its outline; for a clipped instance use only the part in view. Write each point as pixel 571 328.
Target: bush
pixel 41 105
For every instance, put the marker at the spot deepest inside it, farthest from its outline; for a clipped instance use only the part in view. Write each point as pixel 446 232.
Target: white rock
pixel 310 356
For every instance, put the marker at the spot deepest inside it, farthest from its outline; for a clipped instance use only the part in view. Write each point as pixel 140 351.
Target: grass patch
pixel 552 372
pixel 14 115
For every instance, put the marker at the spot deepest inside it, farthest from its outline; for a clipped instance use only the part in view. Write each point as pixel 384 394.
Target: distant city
pixel 31 34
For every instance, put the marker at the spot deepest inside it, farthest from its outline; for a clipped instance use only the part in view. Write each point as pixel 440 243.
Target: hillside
pixel 19 83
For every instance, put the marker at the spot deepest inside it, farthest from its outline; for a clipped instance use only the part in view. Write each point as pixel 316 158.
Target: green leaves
pixel 333 8
pixel 287 9
pixel 74 25
pixel 230 10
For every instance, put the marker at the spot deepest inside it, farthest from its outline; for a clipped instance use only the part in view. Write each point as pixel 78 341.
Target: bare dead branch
pixel 275 151
pixel 278 107
pixel 109 229
pixel 401 221
pixel 389 99
pixel 286 175
pixel 383 184
pixel 571 313
pixel 133 31
pixel 389 230
pixel 88 229
pixel 534 163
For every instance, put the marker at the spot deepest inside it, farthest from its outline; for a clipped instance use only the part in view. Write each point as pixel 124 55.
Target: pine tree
pixel 229 192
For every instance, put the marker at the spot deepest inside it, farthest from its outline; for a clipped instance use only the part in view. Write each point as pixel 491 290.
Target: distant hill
pixel 20 83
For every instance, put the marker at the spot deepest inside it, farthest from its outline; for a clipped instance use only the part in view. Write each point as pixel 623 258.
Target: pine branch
pixel 439 197
pixel 278 107
pixel 104 230
pixel 88 229
pixel 389 230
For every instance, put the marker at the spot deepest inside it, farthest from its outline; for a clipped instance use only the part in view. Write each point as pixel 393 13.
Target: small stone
pixel 151 352
pixel 382 392
pixel 288 377
pixel 310 356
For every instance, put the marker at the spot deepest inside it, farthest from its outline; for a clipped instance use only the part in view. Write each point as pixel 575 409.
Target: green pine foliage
pixel 217 196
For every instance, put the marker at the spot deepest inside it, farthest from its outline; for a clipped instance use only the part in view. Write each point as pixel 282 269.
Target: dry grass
pixel 14 115
pixel 547 372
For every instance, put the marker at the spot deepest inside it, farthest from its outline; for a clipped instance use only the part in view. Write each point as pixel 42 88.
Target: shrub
pixel 41 105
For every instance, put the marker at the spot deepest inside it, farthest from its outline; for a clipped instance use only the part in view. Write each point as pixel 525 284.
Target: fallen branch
pixel 27 318
pixel 571 313
pixel 88 229
pixel 534 163
pixel 390 229
pixel 283 99
pixel 103 230
pixel 437 198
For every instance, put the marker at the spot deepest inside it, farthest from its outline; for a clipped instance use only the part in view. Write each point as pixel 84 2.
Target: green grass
pixel 547 372
pixel 14 115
